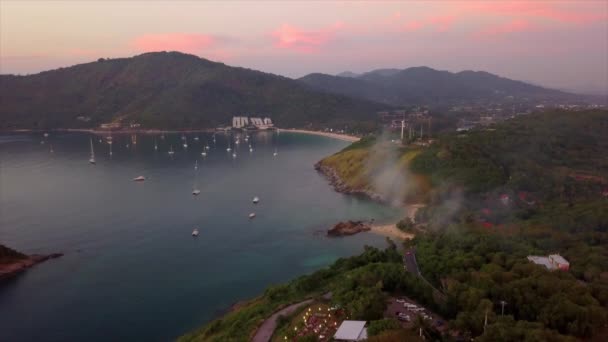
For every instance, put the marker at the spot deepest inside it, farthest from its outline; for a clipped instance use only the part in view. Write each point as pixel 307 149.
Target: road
pixel 267 328
pixel 409 261
pixel 410 264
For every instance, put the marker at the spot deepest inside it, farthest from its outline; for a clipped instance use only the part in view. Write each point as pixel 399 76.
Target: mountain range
pixel 423 85
pixel 174 90
pixel 168 90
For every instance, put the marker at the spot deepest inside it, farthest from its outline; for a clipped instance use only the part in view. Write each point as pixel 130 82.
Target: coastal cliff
pixel 341 186
pixel 13 262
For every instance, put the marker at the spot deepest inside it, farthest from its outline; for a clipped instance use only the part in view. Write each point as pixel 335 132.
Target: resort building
pixel 351 331
pixel 240 121
pixel 244 122
pixel 552 262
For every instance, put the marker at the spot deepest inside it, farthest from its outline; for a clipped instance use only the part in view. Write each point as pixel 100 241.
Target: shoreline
pixel 343 137
pixel 391 231
pixel 18 266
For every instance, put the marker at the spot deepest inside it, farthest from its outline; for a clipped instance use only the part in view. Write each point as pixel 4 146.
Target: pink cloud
pixel 513 26
pixel 292 38
pixel 184 42
pixel 538 9
pixel 413 25
pixel 442 23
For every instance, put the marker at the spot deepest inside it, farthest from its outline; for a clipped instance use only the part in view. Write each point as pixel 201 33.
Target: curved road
pixel 266 330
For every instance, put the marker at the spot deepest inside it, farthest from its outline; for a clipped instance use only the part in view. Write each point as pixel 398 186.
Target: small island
pixel 12 262
pixel 349 228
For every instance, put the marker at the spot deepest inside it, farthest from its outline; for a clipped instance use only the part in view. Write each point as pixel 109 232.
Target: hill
pixel 167 90
pixel 533 185
pixel 423 85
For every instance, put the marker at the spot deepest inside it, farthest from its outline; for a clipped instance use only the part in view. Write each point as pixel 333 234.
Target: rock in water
pixel 348 228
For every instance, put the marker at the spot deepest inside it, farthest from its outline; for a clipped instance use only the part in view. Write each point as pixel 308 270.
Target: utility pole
pixel 502 304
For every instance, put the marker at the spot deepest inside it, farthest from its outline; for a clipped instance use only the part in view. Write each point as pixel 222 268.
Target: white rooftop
pixel 351 331
pixel 559 259
pixel 542 260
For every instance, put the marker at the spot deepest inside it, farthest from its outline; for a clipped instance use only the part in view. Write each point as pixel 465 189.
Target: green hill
pixel 167 90
pixel 423 85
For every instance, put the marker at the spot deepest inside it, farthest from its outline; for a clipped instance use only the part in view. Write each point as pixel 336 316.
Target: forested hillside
pixel 168 90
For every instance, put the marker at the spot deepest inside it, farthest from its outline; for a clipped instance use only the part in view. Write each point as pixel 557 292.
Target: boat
pixel 196 138
pixel 139 179
pixel 46 135
pixel 92 159
pixel 256 199
pixel 185 142
pixel 110 148
pixel 195 190
pixel 155 145
pixel 228 149
pixel 234 155
pixel 195 232
pixel 207 147
pixel 252 215
pixel 204 154
pixel 276 153
pixel 52 149
pixel 171 151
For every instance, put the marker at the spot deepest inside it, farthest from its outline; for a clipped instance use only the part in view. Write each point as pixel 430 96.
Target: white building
pixel 351 331
pixel 240 121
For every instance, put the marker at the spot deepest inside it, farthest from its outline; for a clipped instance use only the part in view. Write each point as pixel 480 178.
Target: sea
pixel 131 270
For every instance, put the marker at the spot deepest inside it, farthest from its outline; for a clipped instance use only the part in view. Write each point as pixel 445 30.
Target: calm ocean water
pixel 131 270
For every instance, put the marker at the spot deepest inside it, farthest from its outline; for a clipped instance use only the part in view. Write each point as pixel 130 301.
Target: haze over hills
pixel 423 85
pixel 167 90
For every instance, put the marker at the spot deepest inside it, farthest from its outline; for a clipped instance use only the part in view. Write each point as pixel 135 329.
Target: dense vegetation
pixel 423 85
pixel 8 255
pixel 168 90
pixel 534 185
pixel 358 284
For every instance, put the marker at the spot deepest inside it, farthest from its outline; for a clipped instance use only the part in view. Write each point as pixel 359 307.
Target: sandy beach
pixel 391 230
pixel 344 137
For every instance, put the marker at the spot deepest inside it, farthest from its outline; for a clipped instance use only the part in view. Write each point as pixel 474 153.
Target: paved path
pixel 267 328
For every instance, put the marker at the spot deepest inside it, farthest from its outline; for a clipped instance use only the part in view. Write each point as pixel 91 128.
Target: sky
pixel 561 44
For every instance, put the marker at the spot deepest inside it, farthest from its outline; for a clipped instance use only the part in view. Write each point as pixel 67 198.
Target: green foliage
pixel 171 90
pixel 406 225
pixel 363 298
pixel 8 255
pixel 379 326
pixel 538 153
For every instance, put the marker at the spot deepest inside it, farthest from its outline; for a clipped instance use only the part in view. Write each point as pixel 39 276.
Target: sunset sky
pixel 553 43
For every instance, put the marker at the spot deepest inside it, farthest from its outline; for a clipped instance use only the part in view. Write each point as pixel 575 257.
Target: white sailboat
pixel 110 148
pixel 195 232
pixel 255 200
pixel 171 150
pixel 139 179
pixel 155 145
pixel 185 142
pixel 195 190
pixel 92 159
pixel 276 153
pixel 204 154
pixel 252 215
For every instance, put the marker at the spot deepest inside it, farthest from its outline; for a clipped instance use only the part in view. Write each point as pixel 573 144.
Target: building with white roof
pixel 552 262
pixel 351 331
